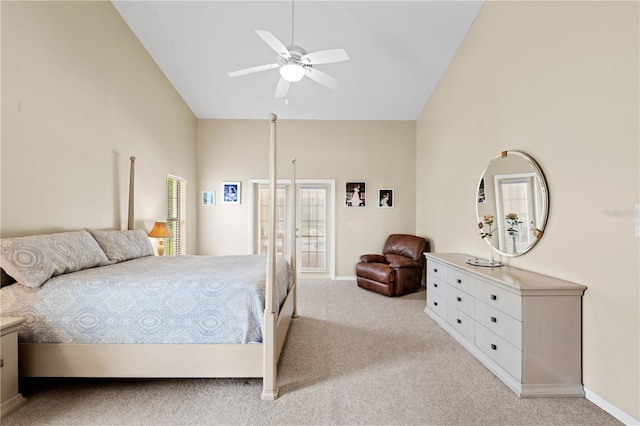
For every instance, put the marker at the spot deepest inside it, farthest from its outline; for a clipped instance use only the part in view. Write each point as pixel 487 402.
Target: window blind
pixel 176 214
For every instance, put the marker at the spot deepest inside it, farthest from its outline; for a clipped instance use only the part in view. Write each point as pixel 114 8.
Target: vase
pixel 491 261
pixel 515 251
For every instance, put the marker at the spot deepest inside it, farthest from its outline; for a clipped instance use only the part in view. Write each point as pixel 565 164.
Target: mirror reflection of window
pixel 516 193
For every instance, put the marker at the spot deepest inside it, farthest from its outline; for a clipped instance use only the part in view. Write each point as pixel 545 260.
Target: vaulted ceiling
pixel 398 52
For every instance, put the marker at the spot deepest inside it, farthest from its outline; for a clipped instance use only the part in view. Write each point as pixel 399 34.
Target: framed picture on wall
pixel 386 198
pixel 230 192
pixel 208 198
pixel 355 195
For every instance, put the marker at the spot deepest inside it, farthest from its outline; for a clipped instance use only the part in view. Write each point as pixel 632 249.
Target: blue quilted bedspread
pixel 172 299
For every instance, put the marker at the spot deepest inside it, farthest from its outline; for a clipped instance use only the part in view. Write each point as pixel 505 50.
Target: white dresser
pixel 524 327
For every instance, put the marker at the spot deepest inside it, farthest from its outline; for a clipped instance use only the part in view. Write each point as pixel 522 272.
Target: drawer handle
pixel 435 269
pixel 494 297
pixel 493 319
pixel 435 303
pixel 459 299
pixel 1 363
pixel 435 285
pixel 459 281
pixel 494 347
pixel 459 321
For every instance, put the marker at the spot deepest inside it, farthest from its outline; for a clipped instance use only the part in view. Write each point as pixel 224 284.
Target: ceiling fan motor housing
pixel 296 53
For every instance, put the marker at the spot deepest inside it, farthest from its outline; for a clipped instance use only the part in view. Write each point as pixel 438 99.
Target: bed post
pixel 270 363
pixel 132 170
pixel 294 235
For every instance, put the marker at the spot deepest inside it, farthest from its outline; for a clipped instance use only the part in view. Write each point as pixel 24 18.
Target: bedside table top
pixel 9 324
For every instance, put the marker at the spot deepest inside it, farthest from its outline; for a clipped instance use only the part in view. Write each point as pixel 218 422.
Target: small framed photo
pixel 386 199
pixel 355 195
pixel 208 198
pixel 481 194
pixel 230 192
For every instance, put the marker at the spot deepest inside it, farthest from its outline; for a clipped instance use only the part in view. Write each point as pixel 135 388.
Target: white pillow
pixel 33 260
pixel 123 245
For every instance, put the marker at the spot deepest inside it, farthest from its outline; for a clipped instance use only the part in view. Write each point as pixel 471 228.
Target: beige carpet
pixel 352 357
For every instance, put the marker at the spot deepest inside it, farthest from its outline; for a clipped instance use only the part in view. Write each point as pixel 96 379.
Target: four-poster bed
pixel 184 360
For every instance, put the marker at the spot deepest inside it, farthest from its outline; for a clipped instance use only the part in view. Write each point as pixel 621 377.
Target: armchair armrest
pixel 401 263
pixel 373 258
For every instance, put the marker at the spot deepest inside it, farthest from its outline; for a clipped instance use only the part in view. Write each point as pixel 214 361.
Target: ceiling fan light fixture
pixel 292 72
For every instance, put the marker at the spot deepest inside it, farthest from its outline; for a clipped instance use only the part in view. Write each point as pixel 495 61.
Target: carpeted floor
pixel 352 357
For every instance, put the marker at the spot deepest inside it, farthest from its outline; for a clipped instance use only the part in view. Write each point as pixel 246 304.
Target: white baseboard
pixel 610 408
pixel 345 278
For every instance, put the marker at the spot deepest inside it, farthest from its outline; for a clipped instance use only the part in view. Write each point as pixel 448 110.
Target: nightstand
pixel 9 394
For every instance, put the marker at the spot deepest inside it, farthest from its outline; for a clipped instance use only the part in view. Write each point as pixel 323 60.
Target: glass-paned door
pixel 313 229
pixel 281 219
pixel 314 224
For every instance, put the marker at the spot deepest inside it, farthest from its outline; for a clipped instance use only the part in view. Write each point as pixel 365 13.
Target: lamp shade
pixel 160 230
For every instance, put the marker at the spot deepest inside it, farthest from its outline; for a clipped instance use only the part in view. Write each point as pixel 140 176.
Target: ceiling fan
pixel 295 63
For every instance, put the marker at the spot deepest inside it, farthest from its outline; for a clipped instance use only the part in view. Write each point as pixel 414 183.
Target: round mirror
pixel 512 203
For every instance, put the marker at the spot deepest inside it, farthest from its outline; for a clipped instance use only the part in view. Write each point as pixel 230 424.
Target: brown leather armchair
pixel 396 272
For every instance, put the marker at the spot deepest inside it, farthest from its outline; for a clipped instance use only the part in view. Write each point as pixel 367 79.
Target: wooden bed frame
pixel 183 360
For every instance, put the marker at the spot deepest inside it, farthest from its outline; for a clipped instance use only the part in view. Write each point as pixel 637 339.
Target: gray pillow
pixel 123 245
pixel 33 260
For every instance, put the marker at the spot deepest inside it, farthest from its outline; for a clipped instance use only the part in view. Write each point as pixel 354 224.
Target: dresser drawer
pixel 505 326
pixel 462 301
pixel 437 270
pixel 461 281
pixel 437 304
pixel 462 323
pixel 499 298
pixel 437 286
pixel 502 353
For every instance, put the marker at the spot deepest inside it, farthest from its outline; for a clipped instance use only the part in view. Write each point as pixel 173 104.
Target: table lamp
pixel 160 230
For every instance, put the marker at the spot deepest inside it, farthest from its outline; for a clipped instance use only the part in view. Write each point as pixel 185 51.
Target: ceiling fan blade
pixel 282 88
pixel 274 43
pixel 322 78
pixel 253 69
pixel 326 56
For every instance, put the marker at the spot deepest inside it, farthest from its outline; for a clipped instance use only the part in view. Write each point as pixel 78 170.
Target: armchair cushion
pixel 398 270
pixel 379 272
pixel 406 246
pixel 404 263
pixel 373 258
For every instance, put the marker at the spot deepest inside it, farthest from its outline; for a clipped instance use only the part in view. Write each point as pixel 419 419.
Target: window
pixel 516 194
pixel 176 214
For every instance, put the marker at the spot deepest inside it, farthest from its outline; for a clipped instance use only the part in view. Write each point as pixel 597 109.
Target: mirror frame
pixel 544 196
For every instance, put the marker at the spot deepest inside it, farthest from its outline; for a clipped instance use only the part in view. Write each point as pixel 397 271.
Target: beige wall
pixel 382 153
pixel 80 95
pixel 559 81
